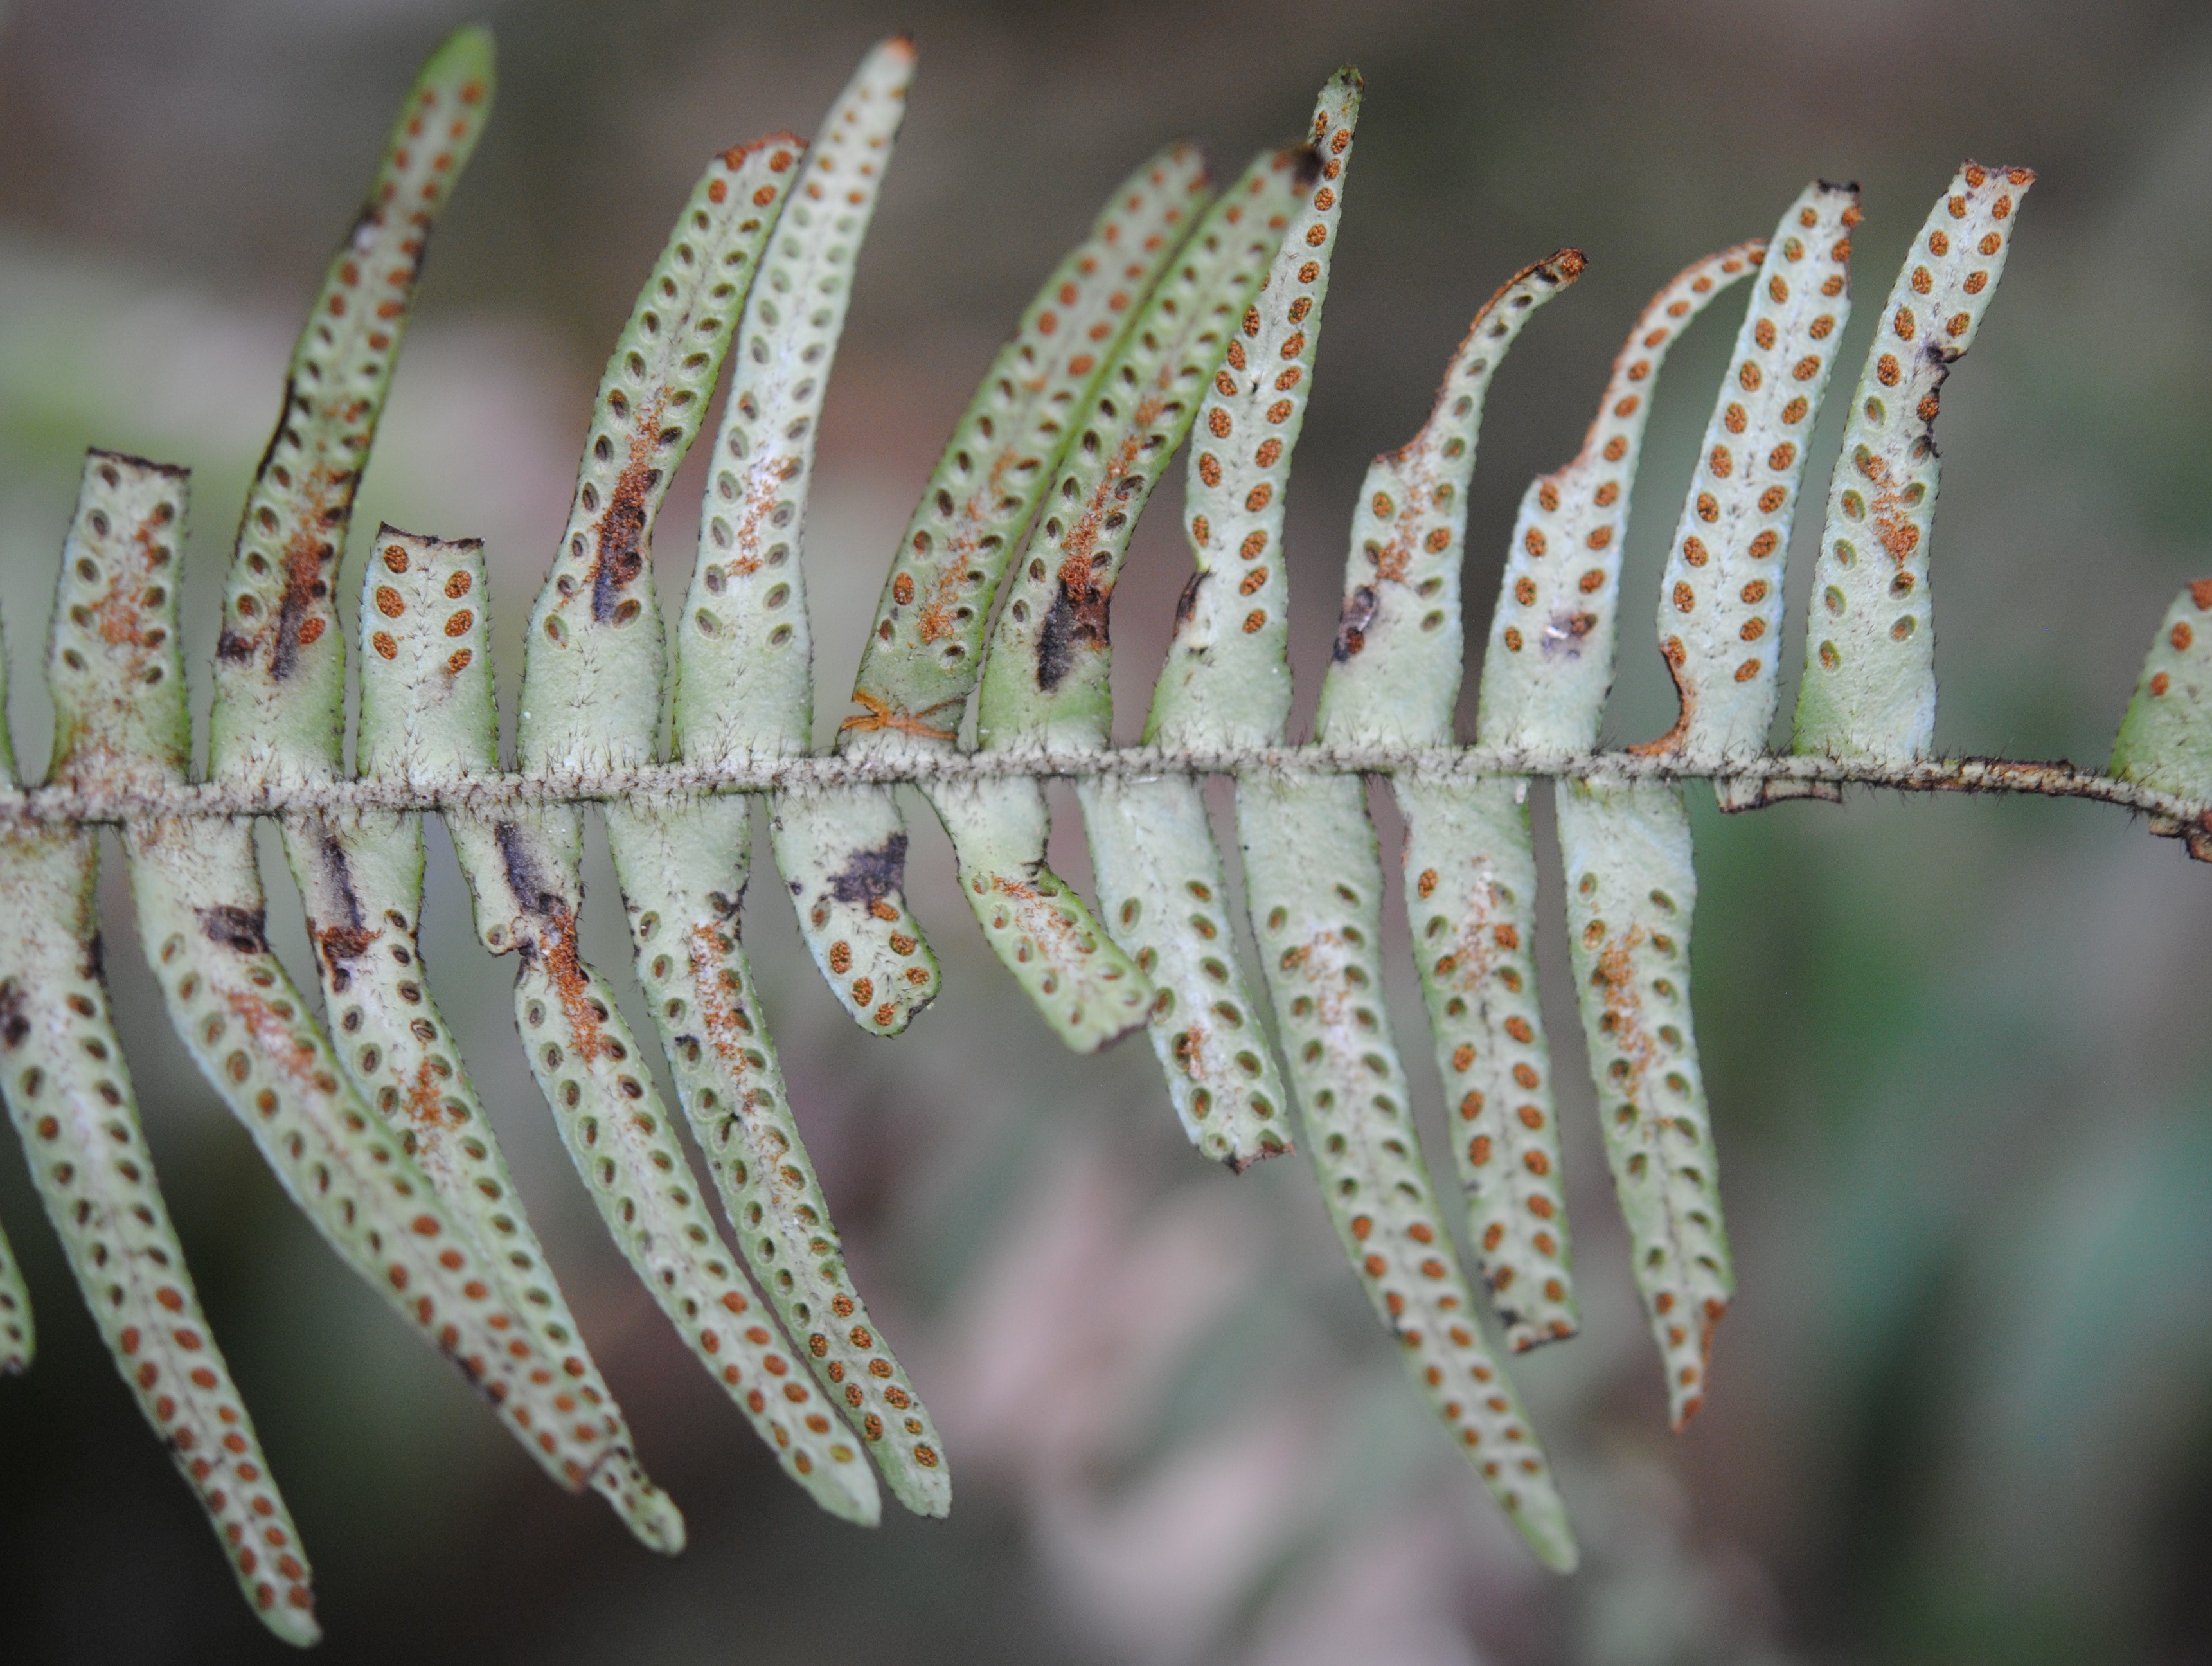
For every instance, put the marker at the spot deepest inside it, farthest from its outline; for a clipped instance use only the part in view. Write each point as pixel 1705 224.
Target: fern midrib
pixel 61 805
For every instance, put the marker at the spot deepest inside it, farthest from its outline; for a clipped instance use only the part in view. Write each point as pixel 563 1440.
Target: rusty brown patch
pixel 426 1114
pixel 324 502
pixel 545 937
pixel 117 615
pixel 556 941
pixel 1034 905
pixel 340 946
pixel 1885 510
pixel 762 482
pixel 1322 959
pixel 274 1035
pixel 1624 1010
pixel 1475 952
pixel 937 621
pixel 723 1018
pixel 342 943
pixel 1078 616
pixel 618 553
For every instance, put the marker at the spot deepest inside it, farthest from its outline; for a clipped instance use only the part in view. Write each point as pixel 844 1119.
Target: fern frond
pixel 1545 679
pixel 1176 309
pixel 1044 678
pixel 1549 665
pixel 1315 881
pixel 1395 670
pixel 744 668
pixel 597 630
pixel 843 849
pixel 1165 898
pixel 1720 599
pixel 280 664
pixel 1632 889
pixel 197 891
pixel 70 1091
pixel 592 677
pixel 1393 678
pixel 66 1081
pixel 1160 874
pixel 279 713
pixel 1227 680
pixel 744 686
pixel 683 879
pixel 927 650
pixel 1869 686
pixel 422 610
pixel 1044 675
pixel 1464 855
pixel 744 675
pixel 1470 879
pixel 524 873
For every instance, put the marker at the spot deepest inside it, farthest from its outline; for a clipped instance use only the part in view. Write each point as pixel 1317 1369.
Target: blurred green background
pixel 1957 1048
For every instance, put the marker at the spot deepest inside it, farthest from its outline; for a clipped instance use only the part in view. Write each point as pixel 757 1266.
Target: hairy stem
pixel 71 806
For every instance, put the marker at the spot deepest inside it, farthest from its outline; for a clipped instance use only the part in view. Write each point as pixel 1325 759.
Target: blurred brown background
pixel 1958 1050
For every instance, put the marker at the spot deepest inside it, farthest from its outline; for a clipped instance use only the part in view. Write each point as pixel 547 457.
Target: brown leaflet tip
pixel 1566 266
pixel 175 470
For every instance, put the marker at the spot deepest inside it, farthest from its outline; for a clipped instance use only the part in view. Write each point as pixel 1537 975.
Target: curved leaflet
pixel 200 914
pixel 1549 663
pixel 1631 890
pixel 683 879
pixel 1161 881
pixel 1394 673
pixel 1470 879
pixel 279 712
pixel 1545 679
pixel 744 663
pixel 1869 686
pixel 117 699
pixel 743 677
pixel 280 662
pixel 1720 600
pixel 424 615
pixel 844 850
pixel 1044 675
pixel 590 695
pixel 70 1091
pixel 1316 890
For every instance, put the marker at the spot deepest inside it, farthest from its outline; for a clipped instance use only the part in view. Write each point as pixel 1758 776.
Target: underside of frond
pixel 1185 316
